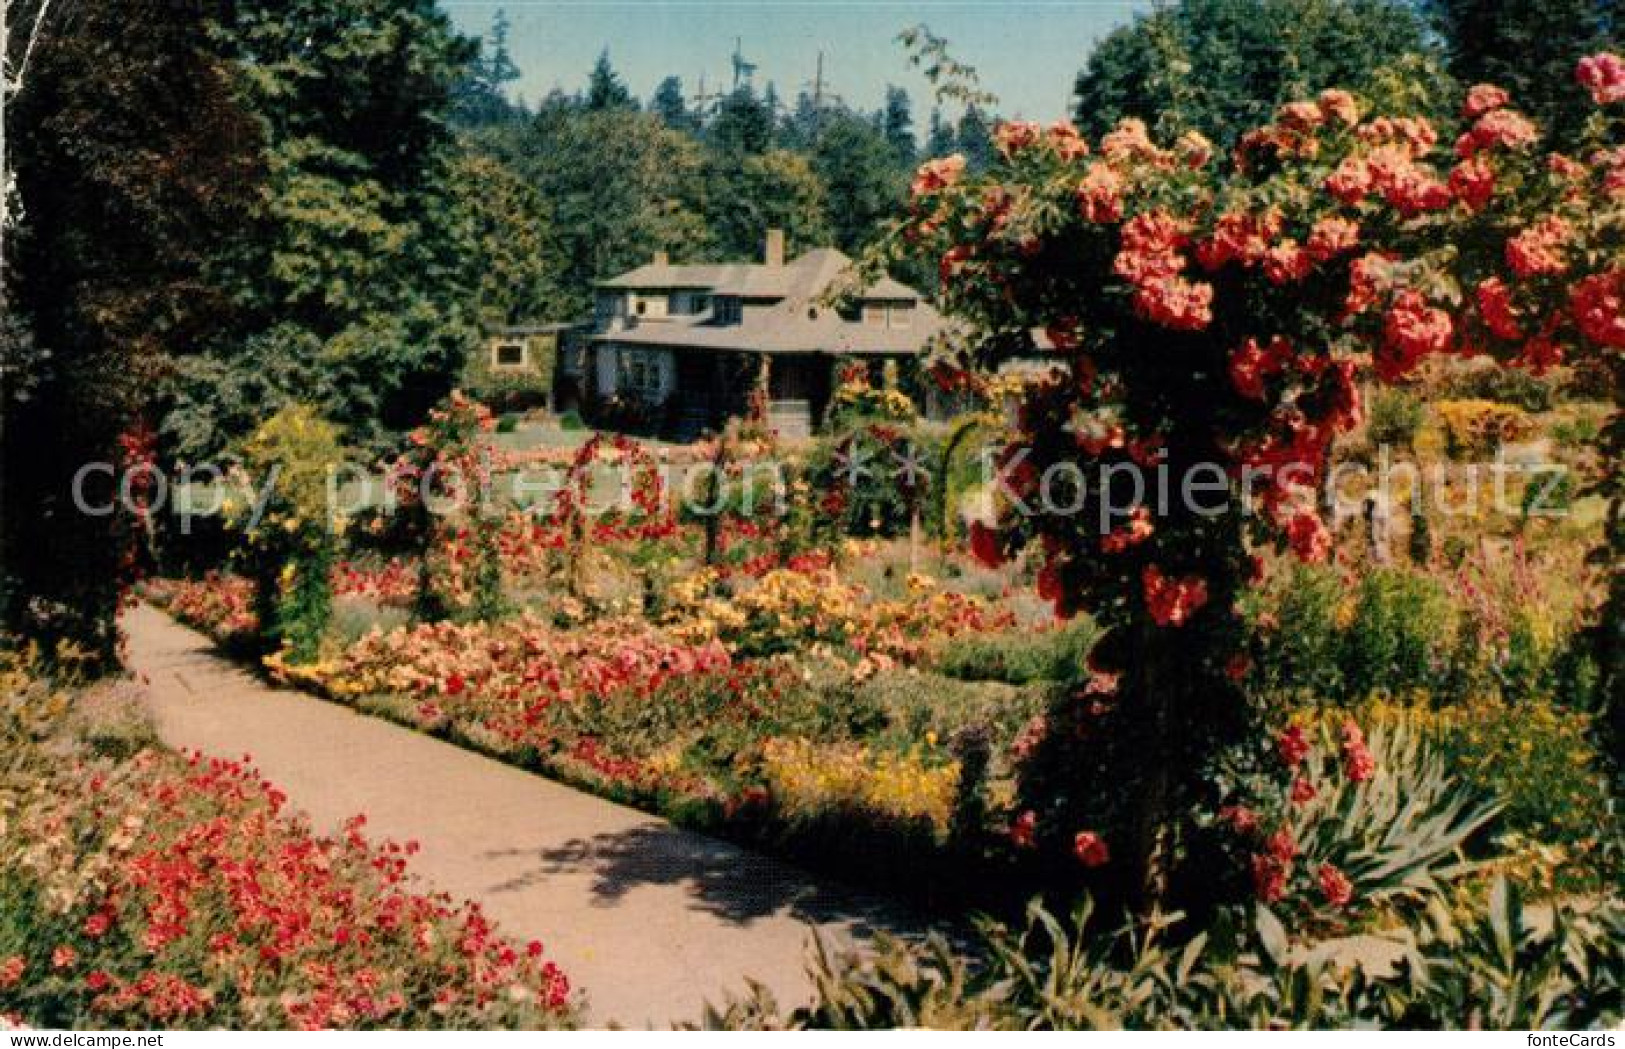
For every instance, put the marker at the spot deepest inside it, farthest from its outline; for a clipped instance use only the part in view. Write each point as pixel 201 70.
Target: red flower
pixel 1335 885
pixel 1100 194
pixel 97 924
pixel 1269 878
pixel 1411 330
pixel 63 957
pixel 1090 849
pixel 1287 263
pixel 1175 303
pixel 1242 819
pixel 1339 106
pixel 1282 845
pixel 1293 746
pixel 1309 537
pixel 1501 128
pixel 937 175
pixel 1598 303
pixel 1473 183
pixel 1022 829
pixel 1303 791
pixel 985 545
pixel 1333 236
pixel 1172 601
pixel 1495 306
pixel 1237 667
pixel 11 970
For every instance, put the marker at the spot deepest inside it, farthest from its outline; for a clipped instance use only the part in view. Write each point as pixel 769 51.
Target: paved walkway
pixel 650 920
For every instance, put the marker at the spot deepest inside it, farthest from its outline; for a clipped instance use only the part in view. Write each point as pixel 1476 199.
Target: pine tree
pixel 604 87
pixel 897 124
pixel 940 140
pixel 974 138
pixel 668 104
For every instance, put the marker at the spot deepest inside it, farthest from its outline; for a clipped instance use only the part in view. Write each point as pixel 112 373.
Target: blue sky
pixel 1026 51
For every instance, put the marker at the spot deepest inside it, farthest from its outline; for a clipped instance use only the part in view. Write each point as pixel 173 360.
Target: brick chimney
pixel 773 252
pixel 662 259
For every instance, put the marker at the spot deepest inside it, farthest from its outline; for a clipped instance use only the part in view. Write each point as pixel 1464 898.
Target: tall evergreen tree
pixel 671 107
pixel 1221 66
pixel 482 98
pixel 974 137
pixel 1530 47
pixel 939 139
pixel 359 281
pixel 864 183
pixel 897 124
pixel 604 87
pixel 743 123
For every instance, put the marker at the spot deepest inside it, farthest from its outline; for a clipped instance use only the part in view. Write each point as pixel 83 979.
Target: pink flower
pixel 1100 194
pixel 1090 849
pixel 1287 263
pixel 1604 75
pixel 1358 764
pixel 1176 303
pixel 63 957
pixel 1498 129
pixel 1332 236
pixel 1335 885
pixel 1540 249
pixel 11 971
pixel 937 175
pixel 1339 106
pixel 1411 331
pixel 1482 98
pixel 1242 819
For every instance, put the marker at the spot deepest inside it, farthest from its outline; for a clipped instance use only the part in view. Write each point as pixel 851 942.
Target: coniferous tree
pixel 671 107
pixel 604 87
pixel 897 125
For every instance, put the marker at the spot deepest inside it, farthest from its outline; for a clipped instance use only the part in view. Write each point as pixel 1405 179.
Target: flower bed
pixel 163 892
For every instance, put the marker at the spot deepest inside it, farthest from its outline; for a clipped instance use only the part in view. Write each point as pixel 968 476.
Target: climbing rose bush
pixel 1209 320
pixel 165 893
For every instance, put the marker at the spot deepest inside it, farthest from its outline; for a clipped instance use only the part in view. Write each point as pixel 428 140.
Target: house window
pixel 874 313
pixel 901 314
pixel 643 307
pixel 509 355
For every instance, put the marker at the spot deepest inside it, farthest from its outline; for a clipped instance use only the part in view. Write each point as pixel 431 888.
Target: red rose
pixel 1090 848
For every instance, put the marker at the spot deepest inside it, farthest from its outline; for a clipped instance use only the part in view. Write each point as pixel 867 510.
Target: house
pixel 680 348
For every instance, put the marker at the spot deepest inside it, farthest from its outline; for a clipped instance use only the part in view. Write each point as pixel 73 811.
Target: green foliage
pixel 1495 969
pixel 622 186
pixel 1399 635
pixel 288 549
pixel 357 291
pixel 864 184
pixel 135 169
pixel 1395 418
pixel 1055 655
pixel 751 194
pixel 1222 66
pixel 511 224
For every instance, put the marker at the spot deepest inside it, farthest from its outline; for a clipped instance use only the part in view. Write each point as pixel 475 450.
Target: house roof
pixel 799 320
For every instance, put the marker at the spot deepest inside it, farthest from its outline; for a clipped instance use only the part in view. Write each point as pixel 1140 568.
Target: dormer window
pixel 729 310
pixel 874 314
pixel 900 314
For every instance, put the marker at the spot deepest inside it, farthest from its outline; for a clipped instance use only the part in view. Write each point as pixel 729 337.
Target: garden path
pixel 649 919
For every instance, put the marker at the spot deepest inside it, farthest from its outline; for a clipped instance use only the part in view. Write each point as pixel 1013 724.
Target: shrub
pixel 1507 385
pixel 1395 418
pixel 1477 427
pixel 808 780
pixel 1400 634
pixel 1057 654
